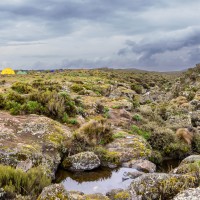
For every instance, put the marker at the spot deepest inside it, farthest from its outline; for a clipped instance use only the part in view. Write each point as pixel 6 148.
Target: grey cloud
pixel 147 50
pixel 145 25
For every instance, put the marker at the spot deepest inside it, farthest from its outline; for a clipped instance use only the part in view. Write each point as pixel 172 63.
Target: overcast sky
pixel 159 35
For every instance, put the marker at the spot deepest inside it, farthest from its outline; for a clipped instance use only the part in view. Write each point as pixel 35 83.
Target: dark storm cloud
pixel 147 50
pixel 31 29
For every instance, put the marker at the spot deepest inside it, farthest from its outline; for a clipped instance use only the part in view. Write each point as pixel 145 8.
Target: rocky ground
pixel 84 119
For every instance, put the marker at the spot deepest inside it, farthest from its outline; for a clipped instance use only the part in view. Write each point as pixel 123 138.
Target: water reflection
pixel 101 180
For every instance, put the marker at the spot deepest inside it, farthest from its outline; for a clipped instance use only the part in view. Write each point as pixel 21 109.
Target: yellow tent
pixel 7 71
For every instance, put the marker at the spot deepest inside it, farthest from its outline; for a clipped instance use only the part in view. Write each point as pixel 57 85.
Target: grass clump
pixel 95 132
pixel 136 130
pixel 15 181
pixel 119 135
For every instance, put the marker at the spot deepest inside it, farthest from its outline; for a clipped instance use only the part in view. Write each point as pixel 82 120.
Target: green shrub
pixel 65 118
pixel 33 107
pixel 46 85
pixel 177 150
pixel 22 88
pixel 158 140
pixel 137 118
pixel 15 108
pixel 14 96
pixel 136 130
pixel 55 104
pixel 196 143
pixel 156 157
pixel 136 88
pixel 76 87
pixel 2 101
pixel 16 181
pixel 119 135
pixel 95 132
pixel 73 121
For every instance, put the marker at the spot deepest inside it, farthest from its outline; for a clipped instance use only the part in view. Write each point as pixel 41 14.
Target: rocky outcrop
pixel 160 185
pixel 189 194
pixel 81 162
pixel 29 141
pixel 54 192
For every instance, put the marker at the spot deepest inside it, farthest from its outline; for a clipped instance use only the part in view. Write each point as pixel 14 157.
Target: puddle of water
pixel 101 180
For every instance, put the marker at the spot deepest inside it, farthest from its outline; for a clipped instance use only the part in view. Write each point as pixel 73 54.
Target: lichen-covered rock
pixel 81 161
pixel 32 140
pixel 190 165
pixel 189 194
pixel 129 148
pixel 122 92
pixel 25 165
pixel 160 185
pixel 54 192
pixel 190 159
pixel 75 195
pixel 141 165
pixel 132 175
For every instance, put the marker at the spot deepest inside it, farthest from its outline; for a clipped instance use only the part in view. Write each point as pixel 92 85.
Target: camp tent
pixel 21 72
pixel 7 71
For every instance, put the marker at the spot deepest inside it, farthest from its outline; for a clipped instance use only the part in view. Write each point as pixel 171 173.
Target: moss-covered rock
pixel 160 185
pixel 54 192
pixel 133 147
pixel 32 139
pixel 189 194
pixel 81 161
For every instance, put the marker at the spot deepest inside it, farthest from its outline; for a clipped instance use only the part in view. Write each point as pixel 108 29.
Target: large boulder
pixel 160 185
pixel 190 159
pixel 32 140
pixel 132 147
pixel 190 165
pixel 189 194
pixel 54 192
pixel 81 161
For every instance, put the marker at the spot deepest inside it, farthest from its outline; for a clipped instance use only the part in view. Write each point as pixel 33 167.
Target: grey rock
pixel 154 185
pixel 55 191
pixel 141 165
pixel 82 161
pixel 25 165
pixel 189 194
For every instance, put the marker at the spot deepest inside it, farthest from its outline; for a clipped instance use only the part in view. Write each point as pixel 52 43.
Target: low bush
pixel 136 130
pixel 22 88
pixel 159 139
pixel 196 143
pixel 136 88
pixel 33 107
pixel 95 132
pixel 15 181
pixel 177 150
